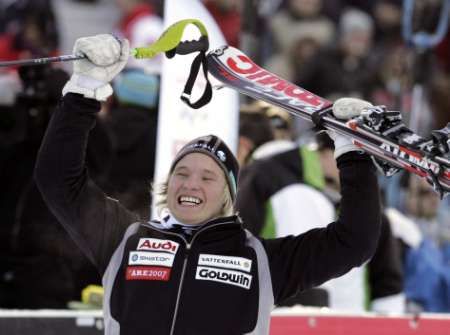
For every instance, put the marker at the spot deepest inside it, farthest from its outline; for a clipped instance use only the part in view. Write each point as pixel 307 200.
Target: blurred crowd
pixel 331 48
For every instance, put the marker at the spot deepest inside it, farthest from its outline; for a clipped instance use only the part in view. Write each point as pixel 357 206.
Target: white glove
pixel 106 56
pixel 345 109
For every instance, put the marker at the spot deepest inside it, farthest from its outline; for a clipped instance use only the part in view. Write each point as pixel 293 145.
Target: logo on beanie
pixel 200 146
pixel 221 155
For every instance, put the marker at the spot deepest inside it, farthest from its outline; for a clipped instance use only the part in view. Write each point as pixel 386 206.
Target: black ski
pixel 378 132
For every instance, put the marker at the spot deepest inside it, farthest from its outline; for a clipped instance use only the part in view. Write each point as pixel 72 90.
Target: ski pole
pixel 182 49
pixel 40 61
pixel 169 42
pixel 421 39
pixel 422 42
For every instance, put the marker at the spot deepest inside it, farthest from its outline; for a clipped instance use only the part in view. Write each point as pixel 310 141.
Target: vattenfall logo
pixel 224 276
pixel 229 262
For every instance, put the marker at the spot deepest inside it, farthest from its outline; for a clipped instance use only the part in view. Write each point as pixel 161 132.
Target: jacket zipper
pixel 180 286
pixel 183 270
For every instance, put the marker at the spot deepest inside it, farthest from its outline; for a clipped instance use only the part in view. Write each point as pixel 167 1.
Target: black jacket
pixel 224 281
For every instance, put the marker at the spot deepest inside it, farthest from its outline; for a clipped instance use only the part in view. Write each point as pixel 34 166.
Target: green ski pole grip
pixel 170 41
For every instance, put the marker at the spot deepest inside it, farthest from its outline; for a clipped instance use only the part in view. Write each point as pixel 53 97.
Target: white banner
pixel 177 122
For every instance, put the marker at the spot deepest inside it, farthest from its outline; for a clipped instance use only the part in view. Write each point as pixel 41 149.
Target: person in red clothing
pixel 227 14
pixel 29 30
pixel 141 26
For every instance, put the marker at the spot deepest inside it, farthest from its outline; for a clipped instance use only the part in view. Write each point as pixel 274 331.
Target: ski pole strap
pixel 199 60
pixel 187 47
pixel 170 41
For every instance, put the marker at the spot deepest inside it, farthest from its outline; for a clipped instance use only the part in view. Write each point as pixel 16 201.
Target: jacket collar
pixel 223 222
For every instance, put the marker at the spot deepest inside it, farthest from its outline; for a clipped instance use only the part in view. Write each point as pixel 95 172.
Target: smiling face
pixel 196 189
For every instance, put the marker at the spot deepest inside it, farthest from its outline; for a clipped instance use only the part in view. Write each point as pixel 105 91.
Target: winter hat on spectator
pixel 215 148
pixel 355 19
pixel 318 31
pixel 137 87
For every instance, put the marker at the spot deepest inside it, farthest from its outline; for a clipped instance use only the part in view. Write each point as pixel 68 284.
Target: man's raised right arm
pixel 93 220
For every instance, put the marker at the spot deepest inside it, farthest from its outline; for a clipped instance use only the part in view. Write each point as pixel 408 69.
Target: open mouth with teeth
pixel 189 201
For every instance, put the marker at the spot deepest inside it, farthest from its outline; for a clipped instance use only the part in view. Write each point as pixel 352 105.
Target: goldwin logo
pixel 224 276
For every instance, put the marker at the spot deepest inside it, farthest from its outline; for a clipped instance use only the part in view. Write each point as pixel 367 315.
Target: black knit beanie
pixel 215 148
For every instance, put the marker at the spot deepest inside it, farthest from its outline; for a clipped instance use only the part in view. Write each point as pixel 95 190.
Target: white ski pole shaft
pixel 39 61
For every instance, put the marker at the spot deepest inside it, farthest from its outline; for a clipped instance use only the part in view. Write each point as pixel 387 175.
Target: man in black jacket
pixel 195 271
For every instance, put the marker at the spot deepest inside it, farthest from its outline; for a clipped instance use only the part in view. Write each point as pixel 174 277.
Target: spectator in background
pixel 439 100
pixel 421 204
pixel 254 130
pixel 40 267
pixel 335 8
pixel 132 120
pixel 24 111
pixel 393 82
pixel 34 248
pixel 29 30
pixel 142 27
pixel 426 71
pixel 426 241
pixel 443 53
pixel 254 36
pixel 393 58
pixel 346 69
pixel 387 15
pixel 297 16
pixel 409 79
pixel 227 14
pixel 132 116
pixel 305 43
